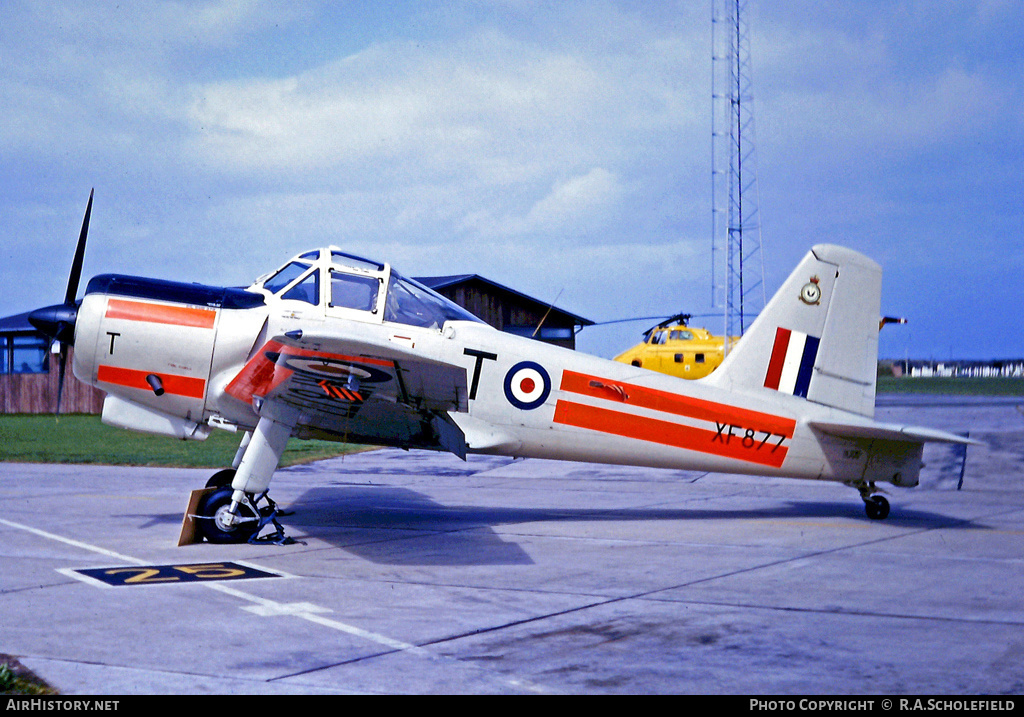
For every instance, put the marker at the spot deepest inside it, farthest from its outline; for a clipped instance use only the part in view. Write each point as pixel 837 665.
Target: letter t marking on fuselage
pixel 480 356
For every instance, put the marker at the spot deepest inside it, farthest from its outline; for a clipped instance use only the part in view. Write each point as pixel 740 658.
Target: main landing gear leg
pixel 876 506
pixel 229 514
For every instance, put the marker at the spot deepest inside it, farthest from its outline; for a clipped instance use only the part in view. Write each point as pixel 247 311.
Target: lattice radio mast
pixel 737 261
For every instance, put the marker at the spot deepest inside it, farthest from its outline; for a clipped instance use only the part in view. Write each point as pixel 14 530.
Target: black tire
pixel 221 479
pixel 877 507
pixel 215 531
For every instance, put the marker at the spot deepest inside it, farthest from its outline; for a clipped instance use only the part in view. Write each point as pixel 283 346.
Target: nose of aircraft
pixel 57 321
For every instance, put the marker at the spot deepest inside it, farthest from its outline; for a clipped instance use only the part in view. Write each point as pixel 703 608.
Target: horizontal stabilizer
pixel 891 432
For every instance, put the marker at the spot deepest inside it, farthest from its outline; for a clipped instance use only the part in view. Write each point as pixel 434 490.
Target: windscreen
pixel 284 277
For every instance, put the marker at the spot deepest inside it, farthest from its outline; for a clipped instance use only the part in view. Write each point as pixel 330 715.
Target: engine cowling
pixel 150 344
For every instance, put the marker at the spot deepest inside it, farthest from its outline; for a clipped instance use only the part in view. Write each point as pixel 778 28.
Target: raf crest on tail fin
pixel 818 337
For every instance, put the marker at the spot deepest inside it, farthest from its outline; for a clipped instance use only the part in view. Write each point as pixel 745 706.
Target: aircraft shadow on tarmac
pixel 389 525
pixel 399 526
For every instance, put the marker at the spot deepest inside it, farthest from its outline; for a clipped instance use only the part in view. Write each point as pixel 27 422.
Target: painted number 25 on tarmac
pixel 169 574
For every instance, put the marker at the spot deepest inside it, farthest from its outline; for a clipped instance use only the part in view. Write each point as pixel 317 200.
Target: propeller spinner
pixel 58 321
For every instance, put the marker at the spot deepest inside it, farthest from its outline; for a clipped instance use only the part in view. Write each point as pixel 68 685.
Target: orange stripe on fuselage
pixel 641 396
pixel 175 315
pixel 131 378
pixel 718 443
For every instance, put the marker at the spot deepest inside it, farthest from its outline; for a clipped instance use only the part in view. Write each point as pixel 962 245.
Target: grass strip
pixel 955 386
pixel 16 679
pixel 77 438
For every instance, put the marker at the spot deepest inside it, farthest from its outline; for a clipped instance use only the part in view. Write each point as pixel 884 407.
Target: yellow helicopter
pixel 678 349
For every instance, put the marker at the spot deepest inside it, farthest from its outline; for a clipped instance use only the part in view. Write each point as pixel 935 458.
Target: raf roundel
pixel 527 385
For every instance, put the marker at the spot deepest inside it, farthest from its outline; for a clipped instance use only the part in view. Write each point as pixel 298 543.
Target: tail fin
pixel 818 336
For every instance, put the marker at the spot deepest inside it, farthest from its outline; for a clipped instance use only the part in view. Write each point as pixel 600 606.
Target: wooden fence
pixel 37 392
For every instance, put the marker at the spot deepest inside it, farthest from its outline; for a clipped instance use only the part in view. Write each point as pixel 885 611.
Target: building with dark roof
pixel 507 309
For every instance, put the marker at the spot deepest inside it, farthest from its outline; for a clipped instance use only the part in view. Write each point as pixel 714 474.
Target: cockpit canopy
pixel 352 287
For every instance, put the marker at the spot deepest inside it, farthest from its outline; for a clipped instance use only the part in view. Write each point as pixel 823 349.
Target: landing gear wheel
pixel 214 519
pixel 221 479
pixel 877 507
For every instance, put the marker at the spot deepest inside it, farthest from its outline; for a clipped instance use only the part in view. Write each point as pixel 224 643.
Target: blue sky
pixel 560 148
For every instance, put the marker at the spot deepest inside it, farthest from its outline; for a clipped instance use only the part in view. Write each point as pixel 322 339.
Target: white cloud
pixel 471 105
pixel 576 204
pixel 85 78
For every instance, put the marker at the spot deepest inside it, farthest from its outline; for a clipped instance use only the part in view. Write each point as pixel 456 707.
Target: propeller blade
pixel 76 265
pixel 58 321
pixel 60 375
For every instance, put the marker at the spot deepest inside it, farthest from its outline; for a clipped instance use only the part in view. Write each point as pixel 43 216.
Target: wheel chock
pixel 189 532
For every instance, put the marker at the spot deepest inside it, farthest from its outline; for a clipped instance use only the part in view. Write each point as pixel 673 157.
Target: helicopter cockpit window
pixel 307 290
pixel 411 303
pixel 680 335
pixel 352 291
pixel 659 337
pixel 284 277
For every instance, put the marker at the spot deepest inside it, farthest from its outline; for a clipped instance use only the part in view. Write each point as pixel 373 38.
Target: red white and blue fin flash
pixel 792 362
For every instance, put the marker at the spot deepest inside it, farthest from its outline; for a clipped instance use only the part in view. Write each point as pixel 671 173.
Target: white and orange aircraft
pixel 338 347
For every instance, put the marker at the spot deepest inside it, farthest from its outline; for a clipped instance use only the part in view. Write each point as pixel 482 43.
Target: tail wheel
pixel 215 521
pixel 877 507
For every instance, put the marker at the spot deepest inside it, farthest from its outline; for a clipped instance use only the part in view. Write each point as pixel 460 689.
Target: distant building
pixel 509 310
pixel 29 372
pixel 998 368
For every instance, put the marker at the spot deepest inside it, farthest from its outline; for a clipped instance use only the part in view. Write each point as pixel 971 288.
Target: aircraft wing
pixel 359 391
pixel 891 432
